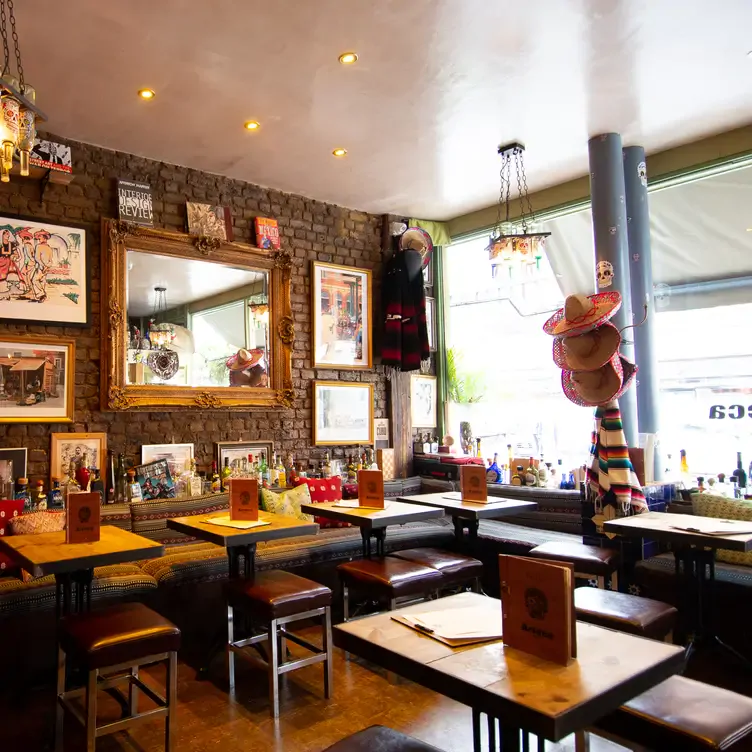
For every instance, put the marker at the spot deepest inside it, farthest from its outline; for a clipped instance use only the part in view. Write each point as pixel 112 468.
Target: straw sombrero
pixel 582 313
pixel 589 351
pixel 417 239
pixel 243 359
pixel 593 388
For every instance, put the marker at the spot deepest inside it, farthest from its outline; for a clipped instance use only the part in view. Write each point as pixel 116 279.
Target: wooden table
pixel 524 692
pixel 468 514
pixel 242 542
pixel 694 557
pixel 48 553
pixel 374 522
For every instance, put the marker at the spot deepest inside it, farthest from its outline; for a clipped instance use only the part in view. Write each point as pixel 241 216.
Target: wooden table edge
pixel 475 512
pixel 426 513
pixel 216 533
pixel 676 536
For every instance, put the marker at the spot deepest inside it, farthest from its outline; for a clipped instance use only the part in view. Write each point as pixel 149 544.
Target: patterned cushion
pixel 118 515
pixel 287 502
pixel 114 581
pixel 150 517
pixel 38 522
pixel 323 490
pixel 188 563
pixel 720 507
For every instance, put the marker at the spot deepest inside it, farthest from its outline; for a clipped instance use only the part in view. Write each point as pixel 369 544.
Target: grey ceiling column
pixel 612 250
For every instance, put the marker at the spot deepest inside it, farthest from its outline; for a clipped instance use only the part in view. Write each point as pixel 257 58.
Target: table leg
pixel 380 535
pixel 459 530
pixel 249 560
pixel 476 731
pixel 510 738
pixel 472 530
pixel 233 562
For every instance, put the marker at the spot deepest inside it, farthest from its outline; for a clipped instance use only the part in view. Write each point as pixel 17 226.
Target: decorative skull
pixel 605 274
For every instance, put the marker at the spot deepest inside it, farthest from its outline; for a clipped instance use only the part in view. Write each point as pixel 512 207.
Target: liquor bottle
pixel 40 498
pixel 326 470
pixel 55 496
pixel 542 473
pixel 83 475
pixel 517 478
pixel 216 483
pixel 133 490
pixel 196 483
pixel 273 472
pixel 372 464
pixel 266 476
pixel 226 475
pixel 120 480
pixel 510 461
pixel 359 462
pixel 352 473
pixel 684 465
pixel 96 483
pixel 22 494
pixel 563 477
pixel 418 444
pixel 493 474
pixel 427 444
pixel 531 474
pixel 701 484
pixel 741 473
pixel 571 485
pixel 434 444
pixel 477 448
pixel 281 474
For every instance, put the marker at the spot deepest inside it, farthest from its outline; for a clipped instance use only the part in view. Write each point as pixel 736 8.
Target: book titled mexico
pixel 244 499
pixel 537 603
pixel 267 233
pixel 82 517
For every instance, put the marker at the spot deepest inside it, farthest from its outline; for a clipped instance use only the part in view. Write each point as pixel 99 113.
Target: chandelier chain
pixel 527 194
pixel 4 35
pixel 517 163
pixel 16 46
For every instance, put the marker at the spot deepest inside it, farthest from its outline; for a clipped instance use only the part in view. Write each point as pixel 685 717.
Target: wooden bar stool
pixel 589 561
pixel 111 645
pixel 456 570
pixel 274 599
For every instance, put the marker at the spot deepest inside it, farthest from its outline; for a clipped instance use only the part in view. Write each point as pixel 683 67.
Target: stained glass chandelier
pixel 20 115
pixel 507 247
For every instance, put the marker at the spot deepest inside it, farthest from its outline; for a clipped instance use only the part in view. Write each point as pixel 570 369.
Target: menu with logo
pixel 473 483
pixel 82 517
pixel 371 489
pixel 537 604
pixel 244 499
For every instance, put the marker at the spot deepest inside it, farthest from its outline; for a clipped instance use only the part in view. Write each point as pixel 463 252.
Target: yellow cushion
pixel 287 502
pixel 722 508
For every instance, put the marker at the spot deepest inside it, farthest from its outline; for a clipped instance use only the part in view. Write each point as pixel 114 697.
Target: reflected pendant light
pixel 507 246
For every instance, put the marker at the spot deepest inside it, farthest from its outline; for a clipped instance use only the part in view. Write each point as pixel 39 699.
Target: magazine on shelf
pixel 155 480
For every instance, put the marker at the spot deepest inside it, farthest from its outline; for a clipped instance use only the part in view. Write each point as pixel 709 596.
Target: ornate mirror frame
pixel 117 238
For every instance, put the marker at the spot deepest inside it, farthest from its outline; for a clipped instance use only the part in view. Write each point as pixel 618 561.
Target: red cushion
pixel 323 490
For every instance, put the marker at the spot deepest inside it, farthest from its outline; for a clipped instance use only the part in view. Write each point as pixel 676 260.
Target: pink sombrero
pixel 417 239
pixel 589 351
pixel 582 313
pixel 243 359
pixel 599 387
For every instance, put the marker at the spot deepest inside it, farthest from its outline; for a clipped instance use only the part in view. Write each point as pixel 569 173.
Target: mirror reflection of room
pixel 196 323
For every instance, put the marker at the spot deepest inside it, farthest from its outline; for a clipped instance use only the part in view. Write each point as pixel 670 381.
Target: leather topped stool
pixel 274 599
pixel 682 714
pixel 380 739
pixel 639 616
pixel 589 561
pixel 112 641
pixel 456 569
pixel 387 579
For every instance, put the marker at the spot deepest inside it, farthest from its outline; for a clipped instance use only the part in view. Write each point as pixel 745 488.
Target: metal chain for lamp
pixel 4 35
pixel 16 46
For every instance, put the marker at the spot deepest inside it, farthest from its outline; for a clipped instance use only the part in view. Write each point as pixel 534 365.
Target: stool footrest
pixel 124 723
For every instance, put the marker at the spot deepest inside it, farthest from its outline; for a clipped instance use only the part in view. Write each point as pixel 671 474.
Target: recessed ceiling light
pixel 147 93
pixel 340 152
pixel 348 58
pixel 252 125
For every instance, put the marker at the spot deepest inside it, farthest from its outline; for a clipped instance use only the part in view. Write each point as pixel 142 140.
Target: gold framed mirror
pixel 193 322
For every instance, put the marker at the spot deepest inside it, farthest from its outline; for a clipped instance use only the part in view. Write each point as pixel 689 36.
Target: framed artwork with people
pixel 341 305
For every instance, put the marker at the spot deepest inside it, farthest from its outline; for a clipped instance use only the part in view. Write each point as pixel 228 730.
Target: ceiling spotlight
pixel 348 58
pixel 339 152
pixel 252 125
pixel 147 93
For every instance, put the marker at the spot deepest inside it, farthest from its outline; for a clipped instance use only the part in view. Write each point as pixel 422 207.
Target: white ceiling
pixel 185 281
pixel 439 84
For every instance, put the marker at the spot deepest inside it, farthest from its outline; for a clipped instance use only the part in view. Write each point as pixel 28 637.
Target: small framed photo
pixel 237 452
pixel 18 456
pixel 178 456
pixel 210 221
pixel 83 449
pixel 381 433
pixel 423 401
pixel 431 322
pixel 341 305
pixel 342 413
pixel 36 379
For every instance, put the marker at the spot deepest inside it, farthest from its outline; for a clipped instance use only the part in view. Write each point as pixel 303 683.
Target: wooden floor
pixel 210 719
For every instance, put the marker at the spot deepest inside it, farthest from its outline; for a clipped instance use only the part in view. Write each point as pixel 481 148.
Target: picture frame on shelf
pixel 178 456
pixel 341 330
pixel 381 433
pixel 423 401
pixel 342 413
pixel 65 447
pixel 19 457
pixel 431 322
pixel 208 220
pixel 237 451
pixel 44 272
pixel 37 379
pixel 428 272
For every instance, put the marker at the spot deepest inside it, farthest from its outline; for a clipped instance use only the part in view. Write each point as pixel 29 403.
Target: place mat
pixel 354 504
pixel 712 526
pixel 225 521
pixel 457 496
pixel 456 627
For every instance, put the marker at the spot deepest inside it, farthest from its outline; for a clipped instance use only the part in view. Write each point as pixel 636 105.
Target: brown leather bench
pixel 387 579
pixel 639 616
pixel 682 714
pixel 456 569
pixel 112 640
pixel 273 599
pixel 589 561
pixel 380 739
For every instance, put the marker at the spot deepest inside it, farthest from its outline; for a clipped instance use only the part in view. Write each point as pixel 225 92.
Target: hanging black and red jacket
pixel 405 340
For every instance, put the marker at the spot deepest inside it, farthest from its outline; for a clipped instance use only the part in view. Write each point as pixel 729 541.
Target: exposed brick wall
pixel 310 230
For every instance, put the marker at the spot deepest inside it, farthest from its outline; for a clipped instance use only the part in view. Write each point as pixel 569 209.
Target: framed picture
pixel 381 433
pixel 44 272
pixel 210 221
pixel 178 456
pixel 341 305
pixel 342 413
pixel 428 272
pixel 423 401
pixel 431 322
pixel 77 447
pixel 18 456
pixel 36 379
pixel 238 451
